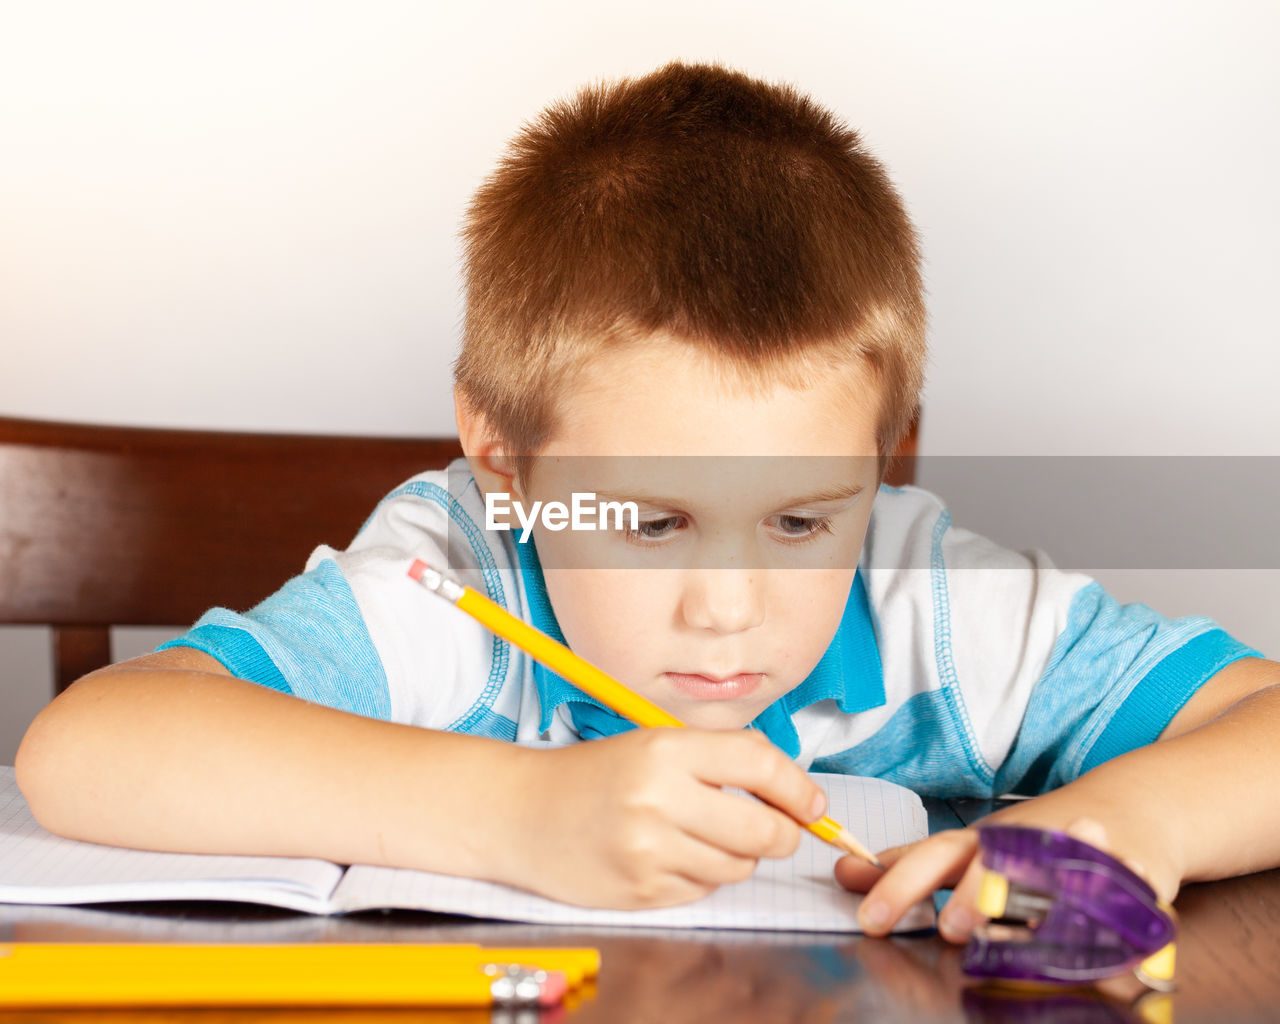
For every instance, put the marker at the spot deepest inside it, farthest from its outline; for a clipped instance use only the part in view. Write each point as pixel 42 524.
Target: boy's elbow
pixel 32 764
pixel 46 759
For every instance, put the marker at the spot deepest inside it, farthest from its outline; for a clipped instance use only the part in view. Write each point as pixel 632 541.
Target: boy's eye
pixel 790 527
pixel 798 527
pixel 654 529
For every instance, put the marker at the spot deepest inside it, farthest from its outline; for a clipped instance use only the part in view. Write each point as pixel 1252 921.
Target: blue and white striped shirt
pixel 959 668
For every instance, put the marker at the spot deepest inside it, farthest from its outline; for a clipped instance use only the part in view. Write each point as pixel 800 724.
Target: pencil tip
pixel 846 842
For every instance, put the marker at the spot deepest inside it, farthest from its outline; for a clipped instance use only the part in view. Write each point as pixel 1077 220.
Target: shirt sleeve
pixel 1053 675
pixel 1116 677
pixel 308 639
pixel 1002 672
pixel 354 632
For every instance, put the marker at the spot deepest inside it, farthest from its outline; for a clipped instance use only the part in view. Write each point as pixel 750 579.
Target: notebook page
pixel 797 894
pixel 37 866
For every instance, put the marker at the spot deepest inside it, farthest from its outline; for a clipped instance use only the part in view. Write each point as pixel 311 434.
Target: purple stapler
pixel 1063 911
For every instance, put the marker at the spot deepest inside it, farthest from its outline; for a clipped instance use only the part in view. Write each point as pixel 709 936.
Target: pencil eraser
pixel 418 568
pixel 553 989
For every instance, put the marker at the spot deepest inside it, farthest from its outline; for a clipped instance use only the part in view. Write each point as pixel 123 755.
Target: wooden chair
pixel 103 526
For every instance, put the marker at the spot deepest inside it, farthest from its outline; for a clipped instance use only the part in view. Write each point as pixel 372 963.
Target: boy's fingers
pixel 748 760
pixel 928 865
pixel 960 916
pixel 737 824
pixel 856 875
pixel 670 868
pixel 1095 834
pixel 1089 831
pixel 705 865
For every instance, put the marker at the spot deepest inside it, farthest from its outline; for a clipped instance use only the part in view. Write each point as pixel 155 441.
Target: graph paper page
pixel 37 866
pixel 797 894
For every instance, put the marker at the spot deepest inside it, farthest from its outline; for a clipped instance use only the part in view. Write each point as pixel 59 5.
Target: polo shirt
pixel 959 668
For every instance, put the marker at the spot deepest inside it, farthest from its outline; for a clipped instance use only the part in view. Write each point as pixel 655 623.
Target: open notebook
pixel 797 894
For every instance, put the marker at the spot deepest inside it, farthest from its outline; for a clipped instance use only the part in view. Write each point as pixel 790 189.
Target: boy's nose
pixel 724 600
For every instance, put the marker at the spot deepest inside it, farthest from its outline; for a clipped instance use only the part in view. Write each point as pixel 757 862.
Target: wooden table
pixel 1228 964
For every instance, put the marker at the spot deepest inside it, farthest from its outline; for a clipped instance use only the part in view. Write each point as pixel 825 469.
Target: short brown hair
pixel 734 214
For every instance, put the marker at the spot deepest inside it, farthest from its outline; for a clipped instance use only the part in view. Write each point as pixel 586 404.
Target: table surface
pixel 1228 964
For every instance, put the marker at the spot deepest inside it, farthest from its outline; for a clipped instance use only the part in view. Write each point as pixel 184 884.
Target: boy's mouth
pixel 704 687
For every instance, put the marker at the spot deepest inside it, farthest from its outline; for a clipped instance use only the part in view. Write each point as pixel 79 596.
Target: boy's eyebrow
pixel 840 492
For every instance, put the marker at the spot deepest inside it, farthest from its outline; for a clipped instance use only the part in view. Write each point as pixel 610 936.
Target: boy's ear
pixel 490 465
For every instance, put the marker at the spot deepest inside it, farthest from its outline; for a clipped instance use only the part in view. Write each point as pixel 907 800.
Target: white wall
pixel 244 214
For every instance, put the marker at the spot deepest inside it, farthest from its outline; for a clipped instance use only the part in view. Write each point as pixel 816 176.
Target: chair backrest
pixel 103 526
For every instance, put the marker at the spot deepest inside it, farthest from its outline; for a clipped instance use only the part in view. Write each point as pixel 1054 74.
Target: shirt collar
pixel 849 672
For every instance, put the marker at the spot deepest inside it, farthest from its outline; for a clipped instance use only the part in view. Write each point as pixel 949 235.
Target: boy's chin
pixel 719 719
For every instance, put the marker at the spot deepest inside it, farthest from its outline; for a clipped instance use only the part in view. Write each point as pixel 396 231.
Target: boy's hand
pixel 639 820
pixel 1170 810
pixel 951 859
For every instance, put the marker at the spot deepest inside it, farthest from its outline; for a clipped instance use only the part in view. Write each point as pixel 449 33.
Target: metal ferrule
pixel 446 586
pixel 514 984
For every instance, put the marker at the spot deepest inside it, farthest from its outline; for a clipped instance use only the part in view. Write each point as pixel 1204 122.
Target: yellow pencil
pixel 584 675
pixel 310 974
pixel 577 963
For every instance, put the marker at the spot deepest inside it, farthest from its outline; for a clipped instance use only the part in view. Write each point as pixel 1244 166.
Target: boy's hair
pixel 736 215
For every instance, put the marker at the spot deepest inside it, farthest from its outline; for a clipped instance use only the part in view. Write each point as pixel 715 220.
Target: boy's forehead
pixel 660 397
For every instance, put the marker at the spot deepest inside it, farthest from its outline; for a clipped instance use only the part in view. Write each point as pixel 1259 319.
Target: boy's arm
pixel 170 752
pixel 1190 807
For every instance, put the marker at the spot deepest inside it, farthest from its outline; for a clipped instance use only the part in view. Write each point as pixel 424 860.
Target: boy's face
pixel 753 504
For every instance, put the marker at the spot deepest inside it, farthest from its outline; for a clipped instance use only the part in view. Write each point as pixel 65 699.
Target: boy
pixel 689 264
